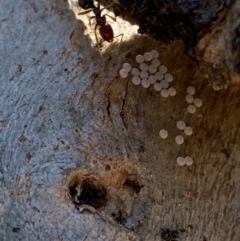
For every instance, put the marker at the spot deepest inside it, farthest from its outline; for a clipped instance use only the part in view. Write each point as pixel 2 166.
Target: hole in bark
pixel 132 185
pixel 169 235
pixel 89 192
pixel 16 230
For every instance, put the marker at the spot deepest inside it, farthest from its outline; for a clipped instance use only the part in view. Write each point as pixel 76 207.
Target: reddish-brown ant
pixel 105 30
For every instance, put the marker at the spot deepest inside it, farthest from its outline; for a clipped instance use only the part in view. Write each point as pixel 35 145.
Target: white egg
pixel 179 140
pixel 145 83
pixel 188 130
pixel 180 161
pixel 191 90
pixel 163 69
pixel 127 67
pixel 147 56
pixel 172 91
pixel 154 54
pixel 123 73
pixel 136 80
pixel 155 62
pixel 139 58
pixel 152 69
pixel 152 79
pixel 164 84
pixel 144 74
pixel 189 99
pixel 188 160
pixel 191 109
pixel 168 77
pixel 159 76
pixel 197 102
pixel 181 125
pixel 157 86
pixel 135 72
pixel 163 134
pixel 164 93
pixel 143 66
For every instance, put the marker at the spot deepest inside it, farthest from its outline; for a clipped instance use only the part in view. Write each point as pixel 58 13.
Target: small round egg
pixel 152 79
pixel 179 140
pixel 147 56
pixel 154 54
pixel 144 74
pixel 156 62
pixel 191 90
pixel 164 93
pixel 135 72
pixel 188 130
pixel 157 86
pixel 159 76
pixel 163 134
pixel 180 161
pixel 188 160
pixel 145 83
pixel 127 67
pixel 163 69
pixel 139 59
pixel 152 69
pixel 164 84
pixel 172 91
pixel 168 77
pixel 191 109
pixel 197 102
pixel 136 80
pixel 143 66
pixel 123 73
pixel 189 99
pixel 181 125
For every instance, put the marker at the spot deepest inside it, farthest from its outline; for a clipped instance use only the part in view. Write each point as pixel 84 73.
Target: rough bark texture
pixel 68 122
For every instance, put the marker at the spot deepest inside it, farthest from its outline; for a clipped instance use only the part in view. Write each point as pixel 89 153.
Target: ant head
pixel 86 4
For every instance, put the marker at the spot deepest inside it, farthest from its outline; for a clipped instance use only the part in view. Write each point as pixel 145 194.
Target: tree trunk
pixel 80 152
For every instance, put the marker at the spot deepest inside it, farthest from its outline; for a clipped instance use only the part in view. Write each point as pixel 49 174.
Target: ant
pixel 105 30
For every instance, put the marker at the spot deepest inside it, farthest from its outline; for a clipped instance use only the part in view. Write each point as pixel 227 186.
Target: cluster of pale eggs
pixel 156 74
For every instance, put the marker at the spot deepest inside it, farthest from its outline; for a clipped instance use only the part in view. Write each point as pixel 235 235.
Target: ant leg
pixel 119 36
pixel 114 2
pixel 90 20
pixel 88 11
pixel 96 34
pixel 113 18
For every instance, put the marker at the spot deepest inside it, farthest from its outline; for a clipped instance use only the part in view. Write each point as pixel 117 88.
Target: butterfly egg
pixel 154 54
pixel 127 67
pixel 163 134
pixel 139 59
pixel 164 93
pixel 136 80
pixel 168 77
pixel 152 69
pixel 179 140
pixel 152 79
pixel 191 90
pixel 188 160
pixel 181 125
pixel 144 74
pixel 157 86
pixel 197 102
pixel 188 130
pixel 164 84
pixel 156 62
pixel 143 66
pixel 123 73
pixel 135 72
pixel 147 56
pixel 172 91
pixel 163 69
pixel 191 109
pixel 189 99
pixel 159 76
pixel 181 161
pixel 145 83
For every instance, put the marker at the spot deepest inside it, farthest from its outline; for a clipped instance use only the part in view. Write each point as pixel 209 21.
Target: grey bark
pixel 67 117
